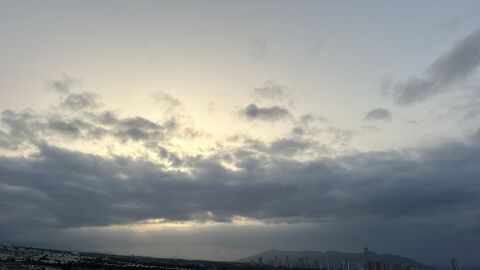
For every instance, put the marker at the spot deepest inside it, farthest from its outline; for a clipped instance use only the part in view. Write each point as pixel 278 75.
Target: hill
pixel 333 258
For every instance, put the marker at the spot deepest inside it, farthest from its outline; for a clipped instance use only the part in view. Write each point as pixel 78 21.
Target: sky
pixel 219 129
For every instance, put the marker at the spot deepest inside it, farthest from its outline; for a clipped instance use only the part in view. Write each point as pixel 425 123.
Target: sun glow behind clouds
pixel 161 224
pixel 173 139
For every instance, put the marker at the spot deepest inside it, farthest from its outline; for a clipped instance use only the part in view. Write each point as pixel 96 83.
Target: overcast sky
pixel 218 129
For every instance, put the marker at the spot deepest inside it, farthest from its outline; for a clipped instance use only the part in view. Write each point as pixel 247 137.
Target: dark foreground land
pixel 18 258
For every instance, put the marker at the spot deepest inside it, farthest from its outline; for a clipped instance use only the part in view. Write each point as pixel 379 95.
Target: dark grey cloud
pixel 72 100
pixel 165 154
pixel 378 114
pixel 63 85
pixel 83 121
pixel 443 75
pixel 420 194
pixel 62 188
pixel 139 129
pixel 73 128
pixel 287 147
pixel 18 128
pixel 290 146
pixel 273 114
pixel 22 129
pixel 128 128
pixel 64 127
pixel 105 118
pixel 80 101
pixel 4 142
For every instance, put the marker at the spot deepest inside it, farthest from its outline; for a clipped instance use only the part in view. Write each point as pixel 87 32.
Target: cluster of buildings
pixel 363 262
pixel 378 265
pixel 24 254
pixel 25 258
pixel 306 263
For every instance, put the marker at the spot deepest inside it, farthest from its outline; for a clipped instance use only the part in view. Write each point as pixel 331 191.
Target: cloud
pixel 318 128
pixel 61 188
pixel 64 127
pixel 290 146
pixel 378 114
pixel 139 129
pixel 80 101
pixel 283 181
pixel 18 128
pixel 72 128
pixel 295 147
pixel 272 90
pixel 166 100
pixel 24 129
pixel 273 114
pixel 63 85
pixel 66 191
pixel 443 75
pixel 287 147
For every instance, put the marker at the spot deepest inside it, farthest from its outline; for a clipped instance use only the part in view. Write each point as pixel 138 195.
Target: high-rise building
pixel 301 262
pixel 454 263
pixel 260 260
pixel 370 265
pixel 365 259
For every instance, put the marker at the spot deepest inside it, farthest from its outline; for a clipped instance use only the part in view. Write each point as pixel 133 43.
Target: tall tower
pixel 454 263
pixel 365 258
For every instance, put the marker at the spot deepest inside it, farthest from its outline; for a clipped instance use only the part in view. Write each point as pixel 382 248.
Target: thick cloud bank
pixel 431 194
pixel 61 188
pixel 80 171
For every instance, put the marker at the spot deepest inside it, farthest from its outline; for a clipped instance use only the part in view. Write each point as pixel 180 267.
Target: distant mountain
pixel 463 267
pixel 334 258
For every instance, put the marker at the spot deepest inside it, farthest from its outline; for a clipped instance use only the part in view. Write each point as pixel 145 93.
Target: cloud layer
pixel 61 188
pixel 443 75
pixel 378 114
pixel 68 175
pixel 272 114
